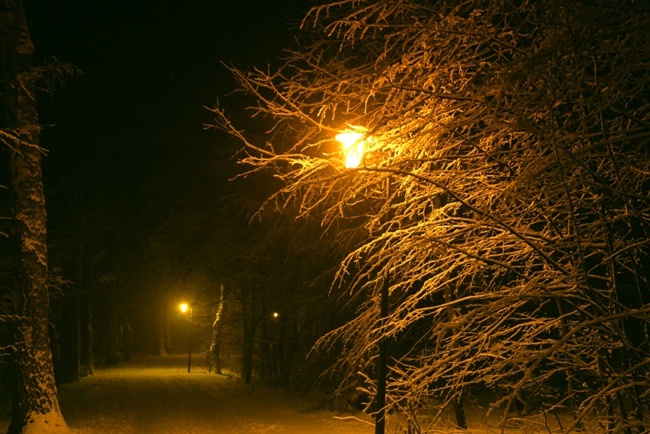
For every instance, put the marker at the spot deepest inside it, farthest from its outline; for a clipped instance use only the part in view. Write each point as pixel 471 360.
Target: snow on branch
pixel 504 196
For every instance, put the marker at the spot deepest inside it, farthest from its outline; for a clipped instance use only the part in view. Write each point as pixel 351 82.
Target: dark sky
pixel 149 68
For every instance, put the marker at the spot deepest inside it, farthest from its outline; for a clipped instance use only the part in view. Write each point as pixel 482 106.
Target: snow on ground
pixel 156 395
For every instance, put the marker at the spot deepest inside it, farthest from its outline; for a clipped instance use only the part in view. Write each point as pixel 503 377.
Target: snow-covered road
pixel 156 395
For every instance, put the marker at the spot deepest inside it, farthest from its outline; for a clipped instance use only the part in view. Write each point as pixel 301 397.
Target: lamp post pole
pixel 189 343
pixel 354 147
pixel 186 308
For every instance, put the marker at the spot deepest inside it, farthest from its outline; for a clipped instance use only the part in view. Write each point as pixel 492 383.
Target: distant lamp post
pixel 187 309
pixel 354 148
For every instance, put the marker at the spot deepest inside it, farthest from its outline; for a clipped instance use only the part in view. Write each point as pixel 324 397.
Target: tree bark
pixel 36 407
pixel 214 354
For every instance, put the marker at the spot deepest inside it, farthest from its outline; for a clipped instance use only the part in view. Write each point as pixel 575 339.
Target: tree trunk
pixel 247 353
pixel 67 364
pixel 162 325
pixel 113 305
pixel 457 401
pixel 214 354
pixel 36 406
pixel 267 365
pixel 114 338
pixel 249 321
pixel 86 356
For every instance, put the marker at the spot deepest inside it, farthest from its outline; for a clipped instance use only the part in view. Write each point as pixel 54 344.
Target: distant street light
pixel 187 309
pixel 354 148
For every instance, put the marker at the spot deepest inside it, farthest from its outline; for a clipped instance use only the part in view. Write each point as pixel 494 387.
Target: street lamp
pixel 187 309
pixel 354 144
pixel 354 147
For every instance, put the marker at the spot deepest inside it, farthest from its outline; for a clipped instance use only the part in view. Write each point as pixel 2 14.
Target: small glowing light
pixel 275 314
pixel 354 143
pixel 184 307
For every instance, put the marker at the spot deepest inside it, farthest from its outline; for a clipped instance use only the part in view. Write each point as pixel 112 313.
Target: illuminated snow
pixel 50 423
pixel 157 395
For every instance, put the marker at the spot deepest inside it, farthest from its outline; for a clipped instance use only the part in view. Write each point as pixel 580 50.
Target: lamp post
pixel 354 143
pixel 187 309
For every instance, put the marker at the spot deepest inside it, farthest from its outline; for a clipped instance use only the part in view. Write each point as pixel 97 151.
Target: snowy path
pixel 156 395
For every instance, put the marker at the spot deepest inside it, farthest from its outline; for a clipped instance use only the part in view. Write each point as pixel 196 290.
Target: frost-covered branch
pixel 504 192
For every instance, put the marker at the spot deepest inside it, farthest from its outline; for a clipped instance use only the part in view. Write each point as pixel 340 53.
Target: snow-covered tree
pixel 502 195
pixel 36 406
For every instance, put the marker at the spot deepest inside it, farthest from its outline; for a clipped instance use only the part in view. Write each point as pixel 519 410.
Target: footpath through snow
pixel 156 395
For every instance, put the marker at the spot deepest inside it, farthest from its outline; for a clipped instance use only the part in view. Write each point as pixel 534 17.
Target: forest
pixel 430 205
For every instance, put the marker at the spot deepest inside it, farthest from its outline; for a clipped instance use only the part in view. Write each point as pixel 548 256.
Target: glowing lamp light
pixel 186 308
pixel 354 145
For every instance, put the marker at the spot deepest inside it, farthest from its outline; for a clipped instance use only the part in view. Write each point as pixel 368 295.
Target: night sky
pixel 149 69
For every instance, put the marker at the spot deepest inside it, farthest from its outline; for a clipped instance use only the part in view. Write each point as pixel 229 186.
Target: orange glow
pixel 184 307
pixel 354 143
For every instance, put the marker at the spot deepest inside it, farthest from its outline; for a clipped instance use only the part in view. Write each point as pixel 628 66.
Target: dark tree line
pixel 104 288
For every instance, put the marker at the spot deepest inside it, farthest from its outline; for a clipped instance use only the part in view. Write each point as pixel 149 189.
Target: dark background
pixel 149 70
pixel 129 165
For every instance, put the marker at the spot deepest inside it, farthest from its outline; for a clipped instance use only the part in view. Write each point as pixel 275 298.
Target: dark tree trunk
pixel 247 353
pixel 247 359
pixel 267 365
pixel 114 354
pixel 288 346
pixel 36 406
pixel 113 344
pixel 86 355
pixel 162 325
pixel 249 320
pixel 162 344
pixel 159 343
pixel 457 402
pixel 68 363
